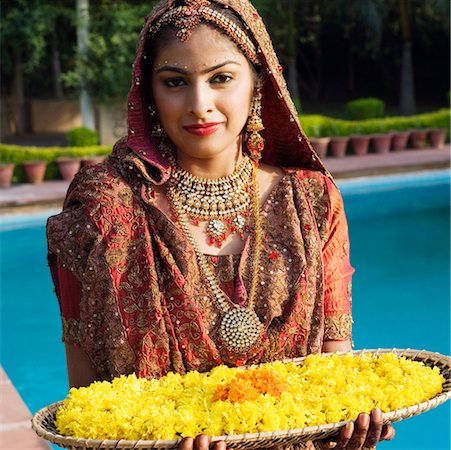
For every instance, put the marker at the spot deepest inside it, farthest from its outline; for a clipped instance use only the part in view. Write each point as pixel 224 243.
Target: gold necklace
pixel 240 328
pixel 223 202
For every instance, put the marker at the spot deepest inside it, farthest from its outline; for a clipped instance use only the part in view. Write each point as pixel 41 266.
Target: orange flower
pixel 249 384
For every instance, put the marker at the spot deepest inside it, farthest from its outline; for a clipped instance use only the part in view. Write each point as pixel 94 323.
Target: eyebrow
pixel 187 72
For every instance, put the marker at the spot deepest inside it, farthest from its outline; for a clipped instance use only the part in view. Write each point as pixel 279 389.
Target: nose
pixel 200 100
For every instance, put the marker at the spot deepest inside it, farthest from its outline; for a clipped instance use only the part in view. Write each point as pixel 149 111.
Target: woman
pixel 191 246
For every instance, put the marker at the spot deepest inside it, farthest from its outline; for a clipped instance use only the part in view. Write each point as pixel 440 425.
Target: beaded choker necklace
pixel 223 202
pixel 240 327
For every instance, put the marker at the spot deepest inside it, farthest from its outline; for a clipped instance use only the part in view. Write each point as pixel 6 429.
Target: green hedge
pixel 365 108
pixel 18 154
pixel 82 137
pixel 323 126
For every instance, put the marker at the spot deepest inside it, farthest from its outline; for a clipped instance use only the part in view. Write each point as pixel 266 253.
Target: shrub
pixel 82 137
pixel 365 108
pixel 18 154
pixel 315 125
pixel 322 126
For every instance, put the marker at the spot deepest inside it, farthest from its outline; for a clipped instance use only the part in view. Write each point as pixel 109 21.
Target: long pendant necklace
pixel 240 328
pixel 223 203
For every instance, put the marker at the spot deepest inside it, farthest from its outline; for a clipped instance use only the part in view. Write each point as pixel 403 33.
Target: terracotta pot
pixel 89 161
pixel 399 140
pixel 35 171
pixel 360 144
pixel 6 174
pixel 418 138
pixel 338 145
pixel 68 167
pixel 320 145
pixel 381 142
pixel 437 137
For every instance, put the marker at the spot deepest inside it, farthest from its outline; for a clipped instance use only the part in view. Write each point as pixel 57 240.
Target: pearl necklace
pixel 240 328
pixel 223 203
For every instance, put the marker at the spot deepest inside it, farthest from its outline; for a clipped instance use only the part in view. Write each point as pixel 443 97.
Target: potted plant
pixel 318 141
pixel 437 137
pixel 68 167
pixel 359 141
pixel 381 140
pixel 6 174
pixel 35 171
pixel 339 139
pixel 418 138
pixel 399 134
pixel 399 140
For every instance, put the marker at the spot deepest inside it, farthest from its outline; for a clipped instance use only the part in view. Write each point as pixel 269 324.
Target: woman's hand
pixel 364 433
pixel 202 442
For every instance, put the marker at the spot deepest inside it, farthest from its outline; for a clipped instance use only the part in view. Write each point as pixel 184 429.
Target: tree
pixel 292 23
pixel 23 29
pixel 407 90
pixel 87 110
pixel 106 67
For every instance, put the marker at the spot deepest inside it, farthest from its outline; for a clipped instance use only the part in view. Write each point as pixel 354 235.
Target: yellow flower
pixel 274 396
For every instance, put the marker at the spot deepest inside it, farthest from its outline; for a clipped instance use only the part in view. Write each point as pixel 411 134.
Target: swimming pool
pixel 399 229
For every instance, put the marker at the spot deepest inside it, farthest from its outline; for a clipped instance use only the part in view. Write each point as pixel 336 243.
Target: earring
pixel 158 132
pixel 255 141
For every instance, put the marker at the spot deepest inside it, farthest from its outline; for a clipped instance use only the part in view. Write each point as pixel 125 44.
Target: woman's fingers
pixel 361 427
pixel 345 436
pixel 388 432
pixel 186 443
pixel 374 431
pixel 202 442
pixel 221 445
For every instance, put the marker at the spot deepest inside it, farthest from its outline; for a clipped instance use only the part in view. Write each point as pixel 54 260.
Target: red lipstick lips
pixel 203 129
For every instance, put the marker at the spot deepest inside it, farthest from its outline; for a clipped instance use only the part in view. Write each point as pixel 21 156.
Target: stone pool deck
pixel 15 425
pixel 15 430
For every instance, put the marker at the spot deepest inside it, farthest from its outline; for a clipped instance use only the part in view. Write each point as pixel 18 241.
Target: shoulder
pixel 315 183
pixel 101 184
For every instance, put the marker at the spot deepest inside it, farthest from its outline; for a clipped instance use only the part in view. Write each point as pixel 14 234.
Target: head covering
pixel 285 142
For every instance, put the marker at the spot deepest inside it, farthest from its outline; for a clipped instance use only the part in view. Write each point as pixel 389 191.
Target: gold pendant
pixel 240 329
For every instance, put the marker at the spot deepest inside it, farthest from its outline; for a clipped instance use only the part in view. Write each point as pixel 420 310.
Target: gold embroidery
pixel 338 328
pixel 144 307
pixel 70 330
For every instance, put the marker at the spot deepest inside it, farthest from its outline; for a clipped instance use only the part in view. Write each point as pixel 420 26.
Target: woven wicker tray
pixel 43 422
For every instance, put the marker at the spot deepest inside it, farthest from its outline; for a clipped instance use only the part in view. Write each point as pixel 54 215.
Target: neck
pixel 217 166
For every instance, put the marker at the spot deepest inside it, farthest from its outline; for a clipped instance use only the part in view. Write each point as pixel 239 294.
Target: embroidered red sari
pixel 132 295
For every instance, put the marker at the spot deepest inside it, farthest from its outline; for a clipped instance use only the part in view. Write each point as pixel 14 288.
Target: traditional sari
pixel 129 287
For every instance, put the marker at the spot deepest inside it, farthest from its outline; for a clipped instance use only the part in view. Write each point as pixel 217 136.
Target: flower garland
pixel 274 396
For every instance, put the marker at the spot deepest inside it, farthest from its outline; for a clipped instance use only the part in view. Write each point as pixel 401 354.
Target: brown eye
pixel 174 82
pixel 221 78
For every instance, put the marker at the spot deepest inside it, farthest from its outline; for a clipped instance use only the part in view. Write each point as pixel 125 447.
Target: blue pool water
pixel 399 230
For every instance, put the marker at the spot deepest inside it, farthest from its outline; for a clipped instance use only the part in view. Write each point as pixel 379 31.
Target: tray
pixel 43 422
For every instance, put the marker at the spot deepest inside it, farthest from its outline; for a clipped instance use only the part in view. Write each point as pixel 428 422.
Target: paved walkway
pixel 15 424
pixel 53 192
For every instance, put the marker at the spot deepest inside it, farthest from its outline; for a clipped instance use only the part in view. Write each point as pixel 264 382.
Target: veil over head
pixel 285 142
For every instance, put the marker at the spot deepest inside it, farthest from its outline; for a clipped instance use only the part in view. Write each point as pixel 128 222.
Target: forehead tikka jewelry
pixel 187 17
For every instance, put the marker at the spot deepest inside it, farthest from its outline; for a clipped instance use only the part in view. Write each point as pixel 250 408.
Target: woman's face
pixel 202 90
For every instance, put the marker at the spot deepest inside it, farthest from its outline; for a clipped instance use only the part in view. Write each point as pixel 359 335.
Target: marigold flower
pixel 274 396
